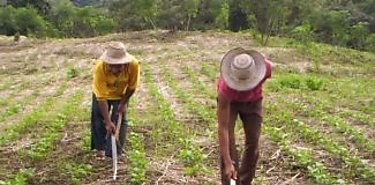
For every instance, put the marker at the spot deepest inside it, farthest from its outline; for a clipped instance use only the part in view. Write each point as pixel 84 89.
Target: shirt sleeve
pixel 99 86
pixel 268 63
pixel 134 76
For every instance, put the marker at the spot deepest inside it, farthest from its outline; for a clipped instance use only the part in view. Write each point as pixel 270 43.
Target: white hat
pixel 242 69
pixel 116 54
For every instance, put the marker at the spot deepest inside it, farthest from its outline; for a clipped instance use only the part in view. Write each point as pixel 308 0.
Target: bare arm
pixel 127 95
pixel 125 100
pixel 223 111
pixel 103 106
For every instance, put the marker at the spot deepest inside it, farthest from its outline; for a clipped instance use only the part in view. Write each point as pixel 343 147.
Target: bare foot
pixel 100 155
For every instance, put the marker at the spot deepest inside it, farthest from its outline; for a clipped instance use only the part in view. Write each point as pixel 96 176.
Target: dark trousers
pixel 251 116
pixel 100 140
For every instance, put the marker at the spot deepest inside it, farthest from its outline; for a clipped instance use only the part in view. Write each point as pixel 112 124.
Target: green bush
pixel 73 21
pixel 26 21
pixel 314 84
pixel 303 33
pixel 8 24
pixel 291 82
pixel 29 22
pixel 105 25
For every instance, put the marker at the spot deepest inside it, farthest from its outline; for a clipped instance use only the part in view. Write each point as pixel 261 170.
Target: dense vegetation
pixel 318 112
pixel 348 23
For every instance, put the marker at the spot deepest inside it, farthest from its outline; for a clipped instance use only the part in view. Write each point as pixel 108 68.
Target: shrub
pixel 314 84
pixel 291 82
pixel 26 21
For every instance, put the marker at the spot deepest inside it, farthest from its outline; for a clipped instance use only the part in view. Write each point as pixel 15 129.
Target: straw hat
pixel 116 54
pixel 242 69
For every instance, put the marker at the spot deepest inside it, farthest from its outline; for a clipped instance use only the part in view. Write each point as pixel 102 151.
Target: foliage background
pixel 348 23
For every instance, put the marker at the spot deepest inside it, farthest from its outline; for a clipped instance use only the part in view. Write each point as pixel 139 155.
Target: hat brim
pixel 257 73
pixel 125 60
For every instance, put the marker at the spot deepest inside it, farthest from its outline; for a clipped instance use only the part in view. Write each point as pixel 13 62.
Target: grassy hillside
pixel 318 122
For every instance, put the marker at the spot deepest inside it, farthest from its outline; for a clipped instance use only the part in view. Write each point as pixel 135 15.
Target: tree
pixel 191 9
pixel 42 6
pixel 25 21
pixel 208 11
pixel 8 24
pixel 62 16
pixel 82 3
pixel 30 22
pixel 135 14
pixel 147 9
pixel 303 32
pixel 359 34
pixel 267 16
pixel 73 21
pixel 332 27
pixel 237 16
pixel 221 19
pixel 172 15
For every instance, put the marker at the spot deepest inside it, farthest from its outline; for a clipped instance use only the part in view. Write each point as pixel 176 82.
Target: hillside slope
pixel 318 123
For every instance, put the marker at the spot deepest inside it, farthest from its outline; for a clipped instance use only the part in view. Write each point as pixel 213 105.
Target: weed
pixel 72 72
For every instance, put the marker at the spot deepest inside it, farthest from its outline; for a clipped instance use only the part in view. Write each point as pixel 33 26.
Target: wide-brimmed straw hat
pixel 116 54
pixel 242 69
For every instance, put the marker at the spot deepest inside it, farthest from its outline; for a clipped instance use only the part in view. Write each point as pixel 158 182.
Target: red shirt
pixel 244 96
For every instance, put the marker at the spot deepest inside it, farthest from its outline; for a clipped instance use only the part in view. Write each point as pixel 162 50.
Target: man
pixel 116 76
pixel 242 73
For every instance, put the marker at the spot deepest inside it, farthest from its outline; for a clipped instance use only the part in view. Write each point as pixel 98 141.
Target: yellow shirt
pixel 107 86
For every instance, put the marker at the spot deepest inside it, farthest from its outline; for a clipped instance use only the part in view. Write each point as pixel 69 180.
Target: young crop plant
pixel 189 102
pixel 318 111
pixel 72 72
pixel 353 165
pixel 304 159
pixel 13 131
pixel 44 145
pixel 6 100
pixel 194 166
pixel 359 116
pixel 41 150
pixel 207 70
pixel 5 85
pixel 200 85
pixel 16 107
pixel 138 161
pixel 76 167
pixel 20 178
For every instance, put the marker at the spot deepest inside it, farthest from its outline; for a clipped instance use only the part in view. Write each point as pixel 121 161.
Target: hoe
pixel 114 142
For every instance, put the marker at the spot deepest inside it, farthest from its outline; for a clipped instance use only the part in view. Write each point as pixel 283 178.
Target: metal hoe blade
pixel 114 140
pixel 114 156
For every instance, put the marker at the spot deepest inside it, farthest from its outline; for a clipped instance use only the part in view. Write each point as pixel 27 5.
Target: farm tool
pixel 232 182
pixel 115 143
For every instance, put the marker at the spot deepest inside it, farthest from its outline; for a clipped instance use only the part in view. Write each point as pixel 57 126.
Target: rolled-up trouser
pixel 100 140
pixel 251 116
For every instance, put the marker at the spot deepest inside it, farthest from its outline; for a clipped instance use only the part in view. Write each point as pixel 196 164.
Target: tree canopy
pixel 349 23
